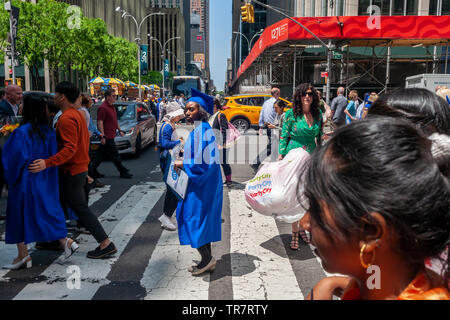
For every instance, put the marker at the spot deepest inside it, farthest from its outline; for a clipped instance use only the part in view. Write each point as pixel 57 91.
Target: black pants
pixel 170 203
pixel 225 166
pixel 268 148
pixel 170 199
pixel 72 195
pixel 2 178
pixel 206 254
pixel 109 148
pixel 269 141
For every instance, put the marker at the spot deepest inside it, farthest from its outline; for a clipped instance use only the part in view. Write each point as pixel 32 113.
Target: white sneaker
pixel 166 223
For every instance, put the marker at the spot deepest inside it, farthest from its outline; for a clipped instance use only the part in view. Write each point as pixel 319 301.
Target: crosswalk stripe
pixel 137 203
pixel 166 276
pixel 258 273
pixel 98 194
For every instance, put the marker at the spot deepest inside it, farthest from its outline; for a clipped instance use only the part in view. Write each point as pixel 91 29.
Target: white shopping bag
pixel 276 191
pixel 177 181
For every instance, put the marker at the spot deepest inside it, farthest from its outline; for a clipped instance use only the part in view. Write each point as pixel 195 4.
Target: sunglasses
pixel 309 94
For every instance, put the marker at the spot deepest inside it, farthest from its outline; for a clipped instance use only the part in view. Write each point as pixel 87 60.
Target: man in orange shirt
pixel 73 160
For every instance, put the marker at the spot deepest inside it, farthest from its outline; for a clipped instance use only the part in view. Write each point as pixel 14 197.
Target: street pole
pixel 13 49
pixel 446 59
pixel 8 8
pixel 295 65
pixel 248 43
pixel 259 33
pixel 138 36
pixel 329 53
pixel 328 47
pixel 163 48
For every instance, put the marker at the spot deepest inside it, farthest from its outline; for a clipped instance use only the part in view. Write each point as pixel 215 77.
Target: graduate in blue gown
pixel 199 215
pixel 33 211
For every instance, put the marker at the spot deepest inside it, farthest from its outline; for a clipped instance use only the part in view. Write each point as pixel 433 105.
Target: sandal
pixel 294 241
pixel 304 236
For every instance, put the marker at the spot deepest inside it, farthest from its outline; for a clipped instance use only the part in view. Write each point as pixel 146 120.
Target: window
pixel 313 8
pixel 382 4
pixel 445 8
pixel 400 7
pixel 410 9
pixel 340 7
pixel 142 110
pixel 324 8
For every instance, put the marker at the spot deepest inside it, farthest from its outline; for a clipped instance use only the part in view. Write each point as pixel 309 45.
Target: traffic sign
pixel 337 55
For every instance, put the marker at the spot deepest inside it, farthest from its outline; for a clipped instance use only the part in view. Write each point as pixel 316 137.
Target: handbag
pixel 233 134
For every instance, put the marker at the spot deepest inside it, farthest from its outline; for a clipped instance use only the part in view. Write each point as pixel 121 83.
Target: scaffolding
pixel 282 63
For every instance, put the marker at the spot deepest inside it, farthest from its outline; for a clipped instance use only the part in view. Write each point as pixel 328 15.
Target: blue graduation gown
pixel 33 211
pixel 199 215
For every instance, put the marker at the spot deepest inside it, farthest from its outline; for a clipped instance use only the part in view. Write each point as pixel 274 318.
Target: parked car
pixel 138 123
pixel 243 110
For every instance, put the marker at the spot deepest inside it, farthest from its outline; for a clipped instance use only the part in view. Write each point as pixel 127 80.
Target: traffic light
pixel 248 13
pixel 245 13
pixel 251 14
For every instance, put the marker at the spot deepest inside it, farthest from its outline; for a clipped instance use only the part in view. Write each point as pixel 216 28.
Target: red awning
pixel 358 31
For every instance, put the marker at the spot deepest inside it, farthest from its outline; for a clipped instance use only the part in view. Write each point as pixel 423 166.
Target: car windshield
pixel 124 111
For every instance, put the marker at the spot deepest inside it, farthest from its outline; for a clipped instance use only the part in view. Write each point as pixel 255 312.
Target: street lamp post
pixel 256 34
pixel 176 58
pixel 243 35
pixel 138 36
pixel 163 47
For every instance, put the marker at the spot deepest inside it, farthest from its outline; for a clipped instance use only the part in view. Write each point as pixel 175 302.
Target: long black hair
pixel 299 92
pixel 35 112
pixel 419 106
pixel 382 165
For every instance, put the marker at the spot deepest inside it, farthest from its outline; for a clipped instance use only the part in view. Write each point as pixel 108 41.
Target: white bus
pixel 183 84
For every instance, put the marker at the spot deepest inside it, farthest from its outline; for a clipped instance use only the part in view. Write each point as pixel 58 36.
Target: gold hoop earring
pixel 361 258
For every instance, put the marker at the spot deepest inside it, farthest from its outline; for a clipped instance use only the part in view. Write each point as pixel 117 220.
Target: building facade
pixel 200 8
pixel 366 67
pixel 245 34
pixel 176 23
pixel 323 8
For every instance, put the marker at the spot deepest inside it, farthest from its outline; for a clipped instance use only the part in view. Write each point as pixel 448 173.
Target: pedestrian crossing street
pixel 254 259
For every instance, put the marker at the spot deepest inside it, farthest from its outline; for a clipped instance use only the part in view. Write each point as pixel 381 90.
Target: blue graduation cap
pixel 205 101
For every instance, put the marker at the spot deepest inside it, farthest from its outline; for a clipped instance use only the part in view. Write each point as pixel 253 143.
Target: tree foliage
pixel 44 33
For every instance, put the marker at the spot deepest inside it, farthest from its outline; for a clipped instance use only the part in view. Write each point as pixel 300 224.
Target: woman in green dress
pixel 302 128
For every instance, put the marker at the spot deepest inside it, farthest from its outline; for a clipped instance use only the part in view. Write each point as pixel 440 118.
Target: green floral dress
pixel 297 134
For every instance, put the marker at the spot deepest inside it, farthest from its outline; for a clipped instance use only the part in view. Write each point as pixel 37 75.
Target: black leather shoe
pixel 101 254
pixel 126 175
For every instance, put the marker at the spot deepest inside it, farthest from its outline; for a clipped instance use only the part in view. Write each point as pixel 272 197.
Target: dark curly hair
pixel 424 108
pixel 382 165
pixel 297 106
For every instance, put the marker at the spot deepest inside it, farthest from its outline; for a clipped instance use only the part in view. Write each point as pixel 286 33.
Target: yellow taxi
pixel 243 110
